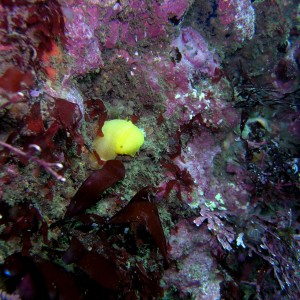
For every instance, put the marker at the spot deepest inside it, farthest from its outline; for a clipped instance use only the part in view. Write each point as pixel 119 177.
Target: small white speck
pixel 35 147
pixel 239 240
pixel 116 6
pixel 201 96
pixel 59 166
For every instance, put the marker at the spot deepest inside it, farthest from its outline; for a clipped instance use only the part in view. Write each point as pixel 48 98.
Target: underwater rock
pixel 238 17
pixel 195 52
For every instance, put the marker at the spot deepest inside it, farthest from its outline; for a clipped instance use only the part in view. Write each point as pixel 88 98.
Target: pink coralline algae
pixel 195 275
pixel 174 8
pixel 172 79
pixel 237 16
pixel 208 188
pixel 171 82
pixel 96 26
pixel 83 45
pixel 195 52
pixel 205 187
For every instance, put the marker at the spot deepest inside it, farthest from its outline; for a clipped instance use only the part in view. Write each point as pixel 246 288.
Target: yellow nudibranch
pixel 120 137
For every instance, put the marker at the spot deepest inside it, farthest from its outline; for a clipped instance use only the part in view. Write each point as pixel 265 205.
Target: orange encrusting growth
pixel 50 59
